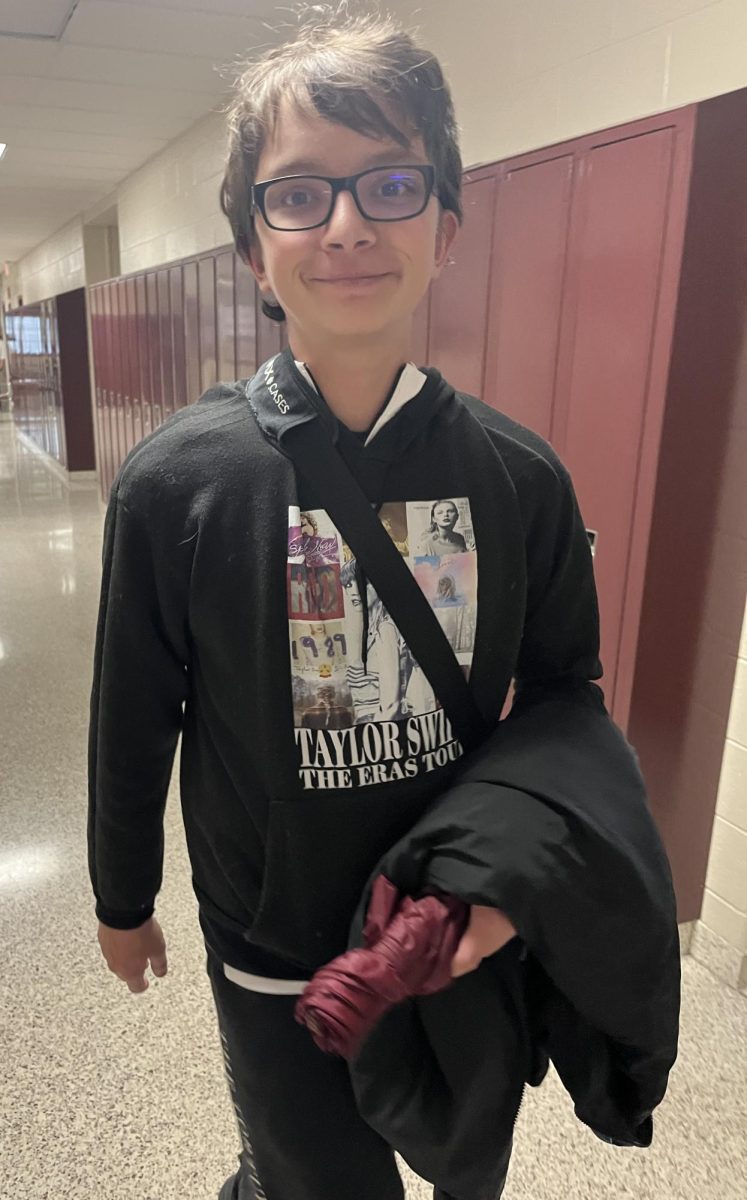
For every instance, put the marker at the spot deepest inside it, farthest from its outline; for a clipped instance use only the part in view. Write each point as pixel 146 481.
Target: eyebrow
pixel 307 166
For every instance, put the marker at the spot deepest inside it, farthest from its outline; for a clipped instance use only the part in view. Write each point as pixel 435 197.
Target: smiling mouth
pixel 362 279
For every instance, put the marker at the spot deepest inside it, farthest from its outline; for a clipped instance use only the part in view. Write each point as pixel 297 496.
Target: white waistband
pixel 269 987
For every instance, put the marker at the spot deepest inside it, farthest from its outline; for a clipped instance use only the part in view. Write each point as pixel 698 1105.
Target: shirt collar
pixel 410 382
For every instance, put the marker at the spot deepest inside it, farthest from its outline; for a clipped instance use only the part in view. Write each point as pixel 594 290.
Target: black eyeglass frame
pixel 344 183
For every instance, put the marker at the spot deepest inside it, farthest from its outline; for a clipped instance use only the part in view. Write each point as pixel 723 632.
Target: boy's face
pixel 351 278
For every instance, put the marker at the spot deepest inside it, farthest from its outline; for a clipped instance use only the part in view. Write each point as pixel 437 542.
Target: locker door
pixel 615 256
pixel 420 324
pixel 459 299
pixel 126 420
pixel 154 356
pixel 208 364
pixel 166 343
pixel 93 299
pixel 191 333
pixel 134 351
pixel 109 384
pixel 176 288
pixel 143 341
pixel 528 269
pixel 246 322
pixel 270 339
pixel 225 315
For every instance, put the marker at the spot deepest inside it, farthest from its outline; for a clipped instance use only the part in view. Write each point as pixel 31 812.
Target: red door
pixel 616 252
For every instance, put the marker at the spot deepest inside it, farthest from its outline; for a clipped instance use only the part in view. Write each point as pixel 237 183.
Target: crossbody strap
pixel 315 457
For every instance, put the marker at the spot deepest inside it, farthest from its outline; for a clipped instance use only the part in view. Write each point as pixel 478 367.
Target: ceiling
pixel 90 90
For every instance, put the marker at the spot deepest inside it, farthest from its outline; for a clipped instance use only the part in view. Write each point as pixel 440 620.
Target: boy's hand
pixel 488 932
pixel 128 951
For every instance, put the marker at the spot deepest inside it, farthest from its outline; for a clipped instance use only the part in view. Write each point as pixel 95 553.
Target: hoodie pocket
pixel 319 856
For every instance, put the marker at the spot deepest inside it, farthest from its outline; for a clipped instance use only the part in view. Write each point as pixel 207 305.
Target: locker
pixel 457 336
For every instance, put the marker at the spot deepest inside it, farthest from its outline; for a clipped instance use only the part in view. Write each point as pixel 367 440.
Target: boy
pixel 311 738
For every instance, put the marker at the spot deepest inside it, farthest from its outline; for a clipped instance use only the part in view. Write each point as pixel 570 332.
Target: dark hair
pixel 341 64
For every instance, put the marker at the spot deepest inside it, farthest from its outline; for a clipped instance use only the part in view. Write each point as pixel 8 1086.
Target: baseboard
pixel 74 479
pixel 721 958
pixel 686 929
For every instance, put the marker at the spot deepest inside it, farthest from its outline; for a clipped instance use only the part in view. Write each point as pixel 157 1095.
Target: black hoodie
pixel 232 612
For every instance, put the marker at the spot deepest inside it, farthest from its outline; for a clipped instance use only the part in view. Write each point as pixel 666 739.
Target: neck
pixel 354 379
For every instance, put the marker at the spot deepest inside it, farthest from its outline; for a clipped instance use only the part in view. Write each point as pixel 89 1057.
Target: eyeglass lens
pixel 387 195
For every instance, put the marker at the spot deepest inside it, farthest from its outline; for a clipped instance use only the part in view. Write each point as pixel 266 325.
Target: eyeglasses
pixel 298 202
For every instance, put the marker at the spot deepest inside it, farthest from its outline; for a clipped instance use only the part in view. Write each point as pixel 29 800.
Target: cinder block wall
pixel 720 937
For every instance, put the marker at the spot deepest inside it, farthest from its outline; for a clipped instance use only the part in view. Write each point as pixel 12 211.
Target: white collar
pixel 410 382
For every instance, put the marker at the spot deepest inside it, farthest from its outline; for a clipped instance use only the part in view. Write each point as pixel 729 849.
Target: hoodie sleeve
pixel 560 643
pixel 139 687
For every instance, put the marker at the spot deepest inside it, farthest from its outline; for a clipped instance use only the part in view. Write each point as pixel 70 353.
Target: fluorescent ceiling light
pixel 2 149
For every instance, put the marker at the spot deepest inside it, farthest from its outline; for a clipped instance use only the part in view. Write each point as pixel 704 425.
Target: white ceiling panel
pixel 130 149
pixel 266 9
pixel 27 56
pixel 40 18
pixel 53 158
pixel 176 31
pixel 87 100
pixel 98 64
pixel 80 120
pixel 102 97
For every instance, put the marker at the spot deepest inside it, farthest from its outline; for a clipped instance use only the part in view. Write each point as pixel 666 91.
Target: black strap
pixel 315 457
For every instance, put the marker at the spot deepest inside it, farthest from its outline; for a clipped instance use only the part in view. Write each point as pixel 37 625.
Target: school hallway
pixel 110 1095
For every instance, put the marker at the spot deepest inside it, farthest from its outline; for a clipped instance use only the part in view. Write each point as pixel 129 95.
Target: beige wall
pixel 169 208
pixel 54 266
pixel 527 73
pixel 721 936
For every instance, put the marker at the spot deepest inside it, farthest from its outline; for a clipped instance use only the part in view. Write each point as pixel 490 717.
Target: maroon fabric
pixel 409 947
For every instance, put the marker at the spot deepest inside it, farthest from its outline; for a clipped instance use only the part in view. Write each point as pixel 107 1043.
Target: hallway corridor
pixel 109 1096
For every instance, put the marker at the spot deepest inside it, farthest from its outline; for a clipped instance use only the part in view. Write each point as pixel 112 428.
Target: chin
pixel 355 321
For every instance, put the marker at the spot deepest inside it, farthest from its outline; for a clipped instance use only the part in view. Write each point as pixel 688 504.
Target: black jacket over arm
pixel 548 822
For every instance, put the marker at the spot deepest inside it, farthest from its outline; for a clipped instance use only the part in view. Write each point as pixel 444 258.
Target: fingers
pixel 467 958
pixel 138 984
pixel 159 965
pixel 128 952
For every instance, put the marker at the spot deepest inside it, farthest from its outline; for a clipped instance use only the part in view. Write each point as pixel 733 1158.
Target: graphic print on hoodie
pixel 364 711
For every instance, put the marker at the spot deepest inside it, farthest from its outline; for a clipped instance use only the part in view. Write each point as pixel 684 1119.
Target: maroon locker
pixel 134 350
pixel 609 321
pixel 193 374
pixel 112 459
pixel 206 301
pixel 162 337
pixel 457 334
pixel 527 280
pixel 143 350
pixel 176 303
pixel 154 360
pixel 420 325
pixel 225 315
pixel 165 343
pixel 246 321
pixel 125 349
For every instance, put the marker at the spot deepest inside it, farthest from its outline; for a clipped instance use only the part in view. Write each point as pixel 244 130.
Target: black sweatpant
pixel 301 1134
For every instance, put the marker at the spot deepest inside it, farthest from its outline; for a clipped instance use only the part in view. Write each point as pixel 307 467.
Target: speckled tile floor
pixel 109 1096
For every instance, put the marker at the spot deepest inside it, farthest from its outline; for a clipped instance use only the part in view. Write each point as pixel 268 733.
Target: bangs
pixel 362 106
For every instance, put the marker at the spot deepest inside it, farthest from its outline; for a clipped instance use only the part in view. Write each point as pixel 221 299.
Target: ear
pixel 257 264
pixel 448 226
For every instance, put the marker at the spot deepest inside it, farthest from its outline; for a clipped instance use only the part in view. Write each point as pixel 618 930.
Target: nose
pixel 347 229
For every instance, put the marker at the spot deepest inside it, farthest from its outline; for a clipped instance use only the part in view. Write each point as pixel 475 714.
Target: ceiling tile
pixel 157 124
pixel 39 17
pixel 98 64
pixel 180 31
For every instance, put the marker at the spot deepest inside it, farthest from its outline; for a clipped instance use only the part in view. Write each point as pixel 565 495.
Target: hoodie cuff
pixel 124 920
